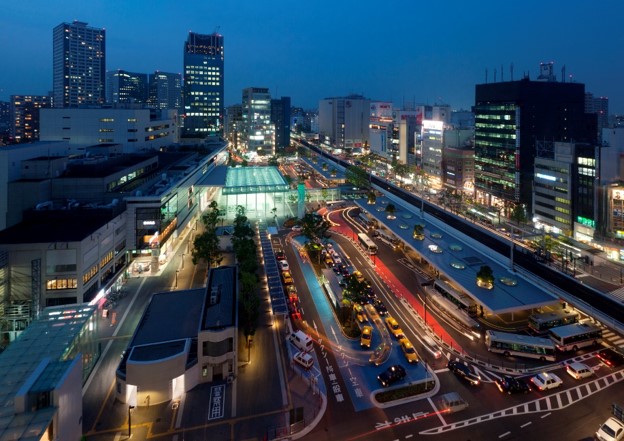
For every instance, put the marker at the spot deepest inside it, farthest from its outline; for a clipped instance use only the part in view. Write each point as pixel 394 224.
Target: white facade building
pixel 259 130
pixel 134 129
pixel 380 128
pixel 344 121
pixel 432 144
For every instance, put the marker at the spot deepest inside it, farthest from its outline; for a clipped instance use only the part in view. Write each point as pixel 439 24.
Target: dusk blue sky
pixel 412 51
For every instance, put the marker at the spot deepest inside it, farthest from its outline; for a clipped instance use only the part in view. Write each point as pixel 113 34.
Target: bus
pixel 462 300
pixel 542 322
pixel 368 221
pixel 520 345
pixel 473 328
pixel 367 243
pixel 575 336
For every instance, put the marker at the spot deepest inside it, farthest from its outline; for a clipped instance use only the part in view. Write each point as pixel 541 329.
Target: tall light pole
pixel 176 278
pixel 130 420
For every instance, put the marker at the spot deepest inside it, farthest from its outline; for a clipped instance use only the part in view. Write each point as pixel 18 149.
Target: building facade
pixel 234 126
pixel 344 121
pixel 203 85
pixel 458 161
pixel 133 129
pixel 380 128
pixel 126 87
pixel 79 64
pixel 259 130
pixel 165 90
pixel 432 145
pixel 280 117
pixel 25 116
pixel 565 189
pixel 510 117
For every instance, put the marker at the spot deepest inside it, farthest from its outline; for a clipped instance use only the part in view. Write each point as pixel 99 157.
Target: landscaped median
pixel 404 394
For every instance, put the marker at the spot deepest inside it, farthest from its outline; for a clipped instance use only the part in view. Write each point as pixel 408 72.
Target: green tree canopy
pixel 357 176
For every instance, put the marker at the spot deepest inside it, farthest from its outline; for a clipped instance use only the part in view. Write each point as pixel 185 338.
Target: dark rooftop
pixel 220 302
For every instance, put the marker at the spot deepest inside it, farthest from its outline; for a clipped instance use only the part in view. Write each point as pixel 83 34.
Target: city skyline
pixel 434 53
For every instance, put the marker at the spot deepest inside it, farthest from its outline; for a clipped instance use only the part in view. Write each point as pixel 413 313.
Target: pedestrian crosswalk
pixel 618 293
pixel 612 338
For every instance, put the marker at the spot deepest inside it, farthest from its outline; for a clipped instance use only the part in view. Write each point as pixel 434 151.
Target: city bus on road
pixel 541 323
pixel 575 336
pixel 369 246
pixel 368 221
pixel 463 301
pixel 520 345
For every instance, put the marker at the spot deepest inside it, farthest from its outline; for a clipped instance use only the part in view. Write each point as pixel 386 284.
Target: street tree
pixel 357 176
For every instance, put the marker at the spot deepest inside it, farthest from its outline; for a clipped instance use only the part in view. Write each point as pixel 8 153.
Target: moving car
pixel 366 336
pixel 408 350
pixel 304 359
pixel 380 307
pixel 545 380
pixel 579 370
pixel 391 375
pixel 432 346
pixel 464 372
pixel 611 357
pixel 610 430
pixel 283 265
pixel 394 328
pixel 287 278
pixel 280 255
pixel 510 385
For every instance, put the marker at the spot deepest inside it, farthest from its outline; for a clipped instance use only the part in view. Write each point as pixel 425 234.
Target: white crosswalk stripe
pixel 618 293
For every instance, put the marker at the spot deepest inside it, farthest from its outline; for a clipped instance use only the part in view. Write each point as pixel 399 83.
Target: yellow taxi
pixel 408 350
pixel 394 328
pixel 366 337
pixel 360 315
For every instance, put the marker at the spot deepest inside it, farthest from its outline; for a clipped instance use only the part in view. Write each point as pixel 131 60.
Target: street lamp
pixel 176 278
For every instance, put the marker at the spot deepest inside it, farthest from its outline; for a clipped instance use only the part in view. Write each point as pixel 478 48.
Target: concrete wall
pixel 154 378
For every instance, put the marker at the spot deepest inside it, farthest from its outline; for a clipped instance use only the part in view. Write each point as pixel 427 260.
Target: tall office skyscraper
pixel 126 87
pixel 203 85
pixel 79 64
pixel 165 90
pixel 280 116
pixel 510 118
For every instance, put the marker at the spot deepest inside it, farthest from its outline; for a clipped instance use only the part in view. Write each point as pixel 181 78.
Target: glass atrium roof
pixel 242 180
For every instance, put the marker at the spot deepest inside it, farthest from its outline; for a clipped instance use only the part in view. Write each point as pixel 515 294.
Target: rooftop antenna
pixel 216 31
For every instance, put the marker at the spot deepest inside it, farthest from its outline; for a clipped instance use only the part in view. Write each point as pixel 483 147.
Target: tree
pixel 292 198
pixel 390 209
pixel 206 245
pixel 273 161
pixel 518 214
pixel 314 227
pixel 485 277
pixel 419 232
pixel 372 197
pixel 325 166
pixel 333 172
pixel 356 290
pixel 357 176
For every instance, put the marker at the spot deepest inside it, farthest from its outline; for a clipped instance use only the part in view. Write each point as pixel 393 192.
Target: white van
pixel 304 359
pixel 301 340
pixel 432 346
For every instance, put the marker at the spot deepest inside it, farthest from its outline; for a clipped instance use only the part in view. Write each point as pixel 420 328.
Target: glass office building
pixel 203 85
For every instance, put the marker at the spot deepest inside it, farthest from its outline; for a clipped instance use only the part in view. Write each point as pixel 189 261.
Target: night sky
pixel 401 50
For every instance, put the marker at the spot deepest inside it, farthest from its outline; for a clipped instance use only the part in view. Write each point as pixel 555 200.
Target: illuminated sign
pixel 587 222
pixel 149 222
pixel 435 125
pixel 617 194
pixel 547 177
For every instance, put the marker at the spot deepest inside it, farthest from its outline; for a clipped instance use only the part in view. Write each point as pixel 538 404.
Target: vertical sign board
pixel 217 402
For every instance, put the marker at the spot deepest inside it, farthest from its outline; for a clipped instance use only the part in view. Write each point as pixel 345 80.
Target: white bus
pixel 473 329
pixel 367 243
pixel 575 336
pixel 520 345
pixel 462 300
pixel 541 323
pixel 368 221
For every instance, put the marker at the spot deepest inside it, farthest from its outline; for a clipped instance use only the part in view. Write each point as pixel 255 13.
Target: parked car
pixel 287 278
pixel 360 315
pixel 409 351
pixel 579 370
pixel 283 265
pixel 366 337
pixel 394 328
pixel 611 357
pixel 464 372
pixel 304 359
pixel 545 380
pixel 280 255
pixel 511 385
pixel 391 375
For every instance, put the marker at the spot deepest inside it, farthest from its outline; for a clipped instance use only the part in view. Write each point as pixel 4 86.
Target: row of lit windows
pixel 107 119
pixel 107 258
pixel 89 274
pixel 497 135
pixel 62 284
pixel 505 117
pixel 562 210
pixel 591 162
pixel 587 171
